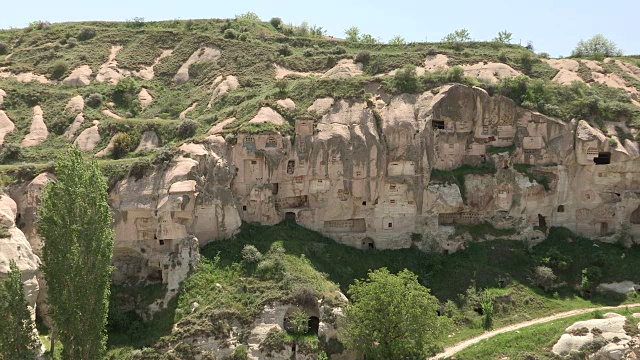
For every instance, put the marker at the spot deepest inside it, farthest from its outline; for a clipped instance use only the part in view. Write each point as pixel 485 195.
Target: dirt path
pixel 452 350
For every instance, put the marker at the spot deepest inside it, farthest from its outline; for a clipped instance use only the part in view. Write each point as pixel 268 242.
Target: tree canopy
pixel 17 333
pixel 75 223
pixel 597 46
pixel 392 316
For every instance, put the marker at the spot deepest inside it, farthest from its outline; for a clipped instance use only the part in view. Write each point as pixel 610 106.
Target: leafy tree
pixel 17 333
pixel 397 40
pixel 406 79
pixel 544 277
pixel 298 322
pixel 391 317
pixel 597 46
pixel 486 302
pixel 276 22
pixel 353 34
pixel 460 35
pixel 75 224
pixel 59 68
pixel 368 39
pixel 503 37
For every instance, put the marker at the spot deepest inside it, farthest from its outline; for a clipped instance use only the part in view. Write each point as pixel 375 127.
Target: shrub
pixel 94 100
pixel 598 45
pixel 526 61
pixel 544 277
pixel 276 22
pixel 4 48
pixel 251 255
pixel 125 92
pixel 10 151
pixel 26 172
pixel 243 37
pixel 455 74
pixel 486 301
pixel 239 353
pixel 58 69
pixel 187 129
pixel 503 57
pixel 282 85
pixel 231 34
pixel 406 79
pixel 139 168
pixel 363 57
pixel 338 50
pixel 503 37
pixel 544 55
pixel 298 322
pixel 461 35
pixel 285 50
pixel 308 52
pixel 122 144
pixel 86 33
pixel 72 42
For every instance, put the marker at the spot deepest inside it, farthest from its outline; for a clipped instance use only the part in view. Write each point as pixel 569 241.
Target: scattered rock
pixel 286 104
pixel 202 54
pixel 6 126
pixel 268 115
pixel 614 81
pixel 345 68
pixel 107 150
pixel 145 98
pixel 76 104
pixel 221 87
pixel 88 139
pixel 282 72
pixel 563 64
pixel 2 95
pixel 321 106
pixel 148 72
pixel 436 62
pixel 592 65
pixel 79 77
pixel 623 287
pixel 491 72
pixel 630 69
pixel 111 114
pixel 109 71
pixel 39 131
pixel 71 130
pixel 148 141
pixel 566 77
pixel 183 115
pixel 24 77
pixel 193 149
pixel 219 127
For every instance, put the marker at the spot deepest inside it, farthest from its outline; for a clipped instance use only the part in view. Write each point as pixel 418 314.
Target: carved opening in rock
pixel 274 189
pixel 445 251
pixel 271 142
pixel 635 216
pixel 314 325
pixel 364 203
pixel 249 143
pixel 603 158
pixel 161 242
pixel 290 216
pixel 387 223
pixel 291 166
pixel 542 222
pixel 438 124
pixel 244 207
pixel 368 244
pixel 560 208
pixel 358 173
pixel 604 228
pixel 392 202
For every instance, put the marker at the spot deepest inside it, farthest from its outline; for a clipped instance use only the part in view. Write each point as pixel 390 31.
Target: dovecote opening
pixel 603 158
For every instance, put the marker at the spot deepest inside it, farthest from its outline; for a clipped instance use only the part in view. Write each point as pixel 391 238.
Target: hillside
pixel 419 155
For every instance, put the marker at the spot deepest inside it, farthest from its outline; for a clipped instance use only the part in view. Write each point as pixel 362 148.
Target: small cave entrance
pixel 313 325
pixel 542 221
pixel 368 244
pixel 290 216
pixel 635 216
pixel 560 208
pixel 291 167
pixel 437 124
pixel 155 276
pixel 604 228
pixel 603 158
pixel 274 189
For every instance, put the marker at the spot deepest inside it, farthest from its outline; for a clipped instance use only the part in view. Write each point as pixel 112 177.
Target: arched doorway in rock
pixel 635 216
pixel 368 244
pixel 313 325
pixel 290 216
pixel 604 228
pixel 542 222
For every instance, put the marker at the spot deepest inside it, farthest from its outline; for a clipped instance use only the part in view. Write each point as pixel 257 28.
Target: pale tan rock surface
pixel 614 81
pixel 24 77
pixel 108 149
pixel 566 77
pixel 109 71
pixel 2 95
pixel 491 72
pixel 183 114
pixel 267 115
pixel 75 104
pixel 88 139
pixel 79 77
pixel 345 68
pixel 221 87
pixel 202 54
pixel 321 106
pixel 38 132
pixel 286 104
pixel 70 132
pixel 148 141
pixel 148 73
pixel 145 98
pixel 282 72
pixel 563 64
pixel 6 126
pixel 111 114
pixel 219 127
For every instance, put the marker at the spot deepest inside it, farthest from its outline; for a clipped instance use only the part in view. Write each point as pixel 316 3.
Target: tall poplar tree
pixel 17 336
pixel 75 224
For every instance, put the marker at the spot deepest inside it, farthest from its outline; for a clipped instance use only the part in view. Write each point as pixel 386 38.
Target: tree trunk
pixel 53 341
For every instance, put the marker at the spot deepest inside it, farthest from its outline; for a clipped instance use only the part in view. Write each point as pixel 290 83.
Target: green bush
pixel 94 100
pixel 285 50
pixel 544 277
pixel 363 57
pixel 187 129
pixel 86 33
pixel 338 50
pixel 231 34
pixel 406 79
pixel 598 46
pixel 125 92
pixel 455 74
pixel 276 22
pixel 59 69
pixel 251 255
pixel 122 144
pixel 4 48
